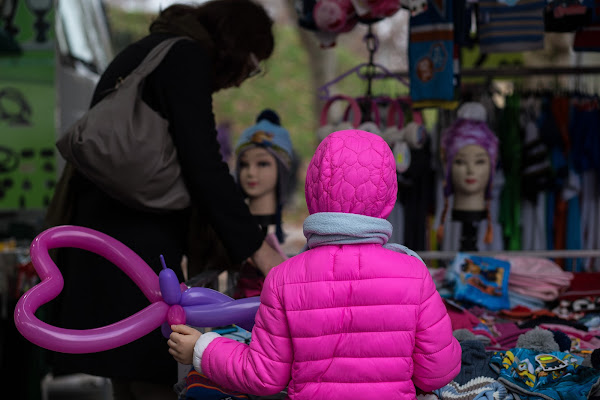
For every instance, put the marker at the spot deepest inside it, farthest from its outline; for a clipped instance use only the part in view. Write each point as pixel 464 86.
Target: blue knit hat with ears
pixel 269 134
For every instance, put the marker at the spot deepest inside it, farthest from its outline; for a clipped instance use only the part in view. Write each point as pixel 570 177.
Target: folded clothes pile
pixel 536 277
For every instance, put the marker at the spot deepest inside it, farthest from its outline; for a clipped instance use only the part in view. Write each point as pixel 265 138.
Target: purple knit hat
pixel 469 128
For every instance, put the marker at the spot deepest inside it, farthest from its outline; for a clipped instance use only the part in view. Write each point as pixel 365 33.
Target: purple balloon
pixel 200 295
pixel 204 315
pixel 169 286
pixel 201 307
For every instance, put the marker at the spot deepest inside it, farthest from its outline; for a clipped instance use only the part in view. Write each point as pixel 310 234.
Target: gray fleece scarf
pixel 344 228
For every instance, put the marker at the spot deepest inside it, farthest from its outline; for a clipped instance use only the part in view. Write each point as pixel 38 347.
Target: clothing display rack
pixel 515 71
pixel 448 255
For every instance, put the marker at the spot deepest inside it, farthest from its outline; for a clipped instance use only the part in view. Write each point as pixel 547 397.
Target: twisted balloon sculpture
pixel 171 302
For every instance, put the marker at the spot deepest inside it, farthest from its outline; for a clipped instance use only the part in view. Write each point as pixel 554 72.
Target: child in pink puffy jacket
pixel 351 316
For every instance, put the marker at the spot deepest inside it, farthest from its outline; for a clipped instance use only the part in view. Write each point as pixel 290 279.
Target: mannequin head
pixel 264 158
pixel 470 174
pixel 470 128
pixel 469 151
pixel 258 175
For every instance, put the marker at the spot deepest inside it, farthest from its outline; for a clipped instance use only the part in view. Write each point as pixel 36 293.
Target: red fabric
pixel 560 112
pixel 587 38
pixel 250 282
pixel 583 284
pixel 461 318
pixel 560 227
pixel 521 313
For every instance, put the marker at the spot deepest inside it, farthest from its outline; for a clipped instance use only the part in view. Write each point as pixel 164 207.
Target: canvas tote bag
pixel 124 146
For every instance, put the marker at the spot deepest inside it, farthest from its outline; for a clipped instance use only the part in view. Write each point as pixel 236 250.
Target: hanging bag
pixel 124 146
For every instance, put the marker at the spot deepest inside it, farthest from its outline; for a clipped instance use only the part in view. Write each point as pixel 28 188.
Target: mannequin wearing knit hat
pixel 263 163
pixel 469 154
pixel 265 142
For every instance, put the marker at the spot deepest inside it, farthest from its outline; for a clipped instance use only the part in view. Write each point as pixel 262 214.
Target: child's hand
pixel 181 343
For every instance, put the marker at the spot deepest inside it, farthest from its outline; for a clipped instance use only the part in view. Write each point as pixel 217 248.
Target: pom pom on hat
pixel 473 111
pixel 563 340
pixel 538 339
pixel 464 334
pixel 270 116
pixel 592 360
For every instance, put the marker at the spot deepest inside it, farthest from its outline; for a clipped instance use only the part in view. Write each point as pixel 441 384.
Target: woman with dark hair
pixel 230 38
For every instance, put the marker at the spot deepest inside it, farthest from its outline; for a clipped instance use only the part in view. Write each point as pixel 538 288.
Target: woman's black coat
pixel 96 292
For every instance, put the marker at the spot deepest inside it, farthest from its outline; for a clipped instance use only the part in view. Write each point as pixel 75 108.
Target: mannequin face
pixel 471 171
pixel 258 173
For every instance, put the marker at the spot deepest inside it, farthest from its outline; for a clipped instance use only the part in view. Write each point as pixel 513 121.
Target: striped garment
pixel 432 60
pixel 478 388
pixel 503 28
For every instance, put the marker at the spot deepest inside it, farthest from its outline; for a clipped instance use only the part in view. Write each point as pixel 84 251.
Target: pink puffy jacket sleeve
pixel 264 366
pixel 437 353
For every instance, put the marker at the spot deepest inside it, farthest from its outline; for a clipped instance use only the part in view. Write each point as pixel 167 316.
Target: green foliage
pixel 285 88
pixel 492 60
pixel 126 26
pixel 470 57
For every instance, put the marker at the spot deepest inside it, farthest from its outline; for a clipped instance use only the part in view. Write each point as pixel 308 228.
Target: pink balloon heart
pixel 90 340
pixel 200 307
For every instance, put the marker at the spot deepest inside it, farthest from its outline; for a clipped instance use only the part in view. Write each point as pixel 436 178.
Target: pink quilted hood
pixel 364 181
